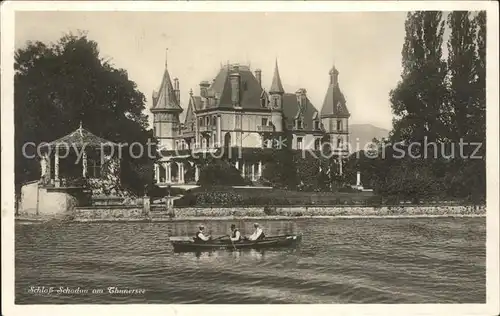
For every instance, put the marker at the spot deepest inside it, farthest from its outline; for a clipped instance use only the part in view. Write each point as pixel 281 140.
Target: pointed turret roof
pixel 165 99
pixel 334 104
pixel 276 86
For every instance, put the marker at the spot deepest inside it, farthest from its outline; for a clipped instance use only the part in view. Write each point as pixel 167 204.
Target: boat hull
pixel 266 243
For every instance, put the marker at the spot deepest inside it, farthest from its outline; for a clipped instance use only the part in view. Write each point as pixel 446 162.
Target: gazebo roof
pixel 81 138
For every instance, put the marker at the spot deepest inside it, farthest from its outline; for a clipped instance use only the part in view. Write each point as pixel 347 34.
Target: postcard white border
pixel 7 159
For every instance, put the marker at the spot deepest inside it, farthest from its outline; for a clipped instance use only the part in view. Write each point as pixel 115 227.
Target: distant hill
pixel 361 134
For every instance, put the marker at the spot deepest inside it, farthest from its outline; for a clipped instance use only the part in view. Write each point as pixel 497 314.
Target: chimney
pixel 177 90
pixel 301 97
pixel 235 88
pixel 203 88
pixel 258 75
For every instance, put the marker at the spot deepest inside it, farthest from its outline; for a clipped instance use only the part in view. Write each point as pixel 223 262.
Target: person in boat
pixel 257 234
pixel 235 234
pixel 200 235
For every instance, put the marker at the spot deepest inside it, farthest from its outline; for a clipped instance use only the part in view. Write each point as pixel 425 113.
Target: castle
pixel 234 111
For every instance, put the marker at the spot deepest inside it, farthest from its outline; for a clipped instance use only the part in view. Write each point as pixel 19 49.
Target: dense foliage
pixel 58 85
pixel 219 172
pixel 224 196
pixel 437 100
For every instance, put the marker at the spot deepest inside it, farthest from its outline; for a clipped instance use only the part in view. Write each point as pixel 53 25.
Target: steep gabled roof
pixel 291 110
pixel 190 112
pixel 276 85
pixel 165 98
pixel 250 89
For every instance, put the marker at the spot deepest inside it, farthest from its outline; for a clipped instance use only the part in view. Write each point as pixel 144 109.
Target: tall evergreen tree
pixel 479 110
pixel 418 101
pixel 462 74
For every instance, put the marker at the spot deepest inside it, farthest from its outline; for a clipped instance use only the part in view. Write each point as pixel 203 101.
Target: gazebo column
pixel 243 169
pixel 84 164
pixel 259 170
pixel 56 168
pixel 253 171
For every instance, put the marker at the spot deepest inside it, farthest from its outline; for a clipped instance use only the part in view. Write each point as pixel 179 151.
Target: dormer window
pixel 299 124
pixel 263 102
pixel 316 125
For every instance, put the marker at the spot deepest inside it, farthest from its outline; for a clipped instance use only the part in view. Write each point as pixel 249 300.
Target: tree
pixel 280 170
pixel 418 100
pixel 219 172
pixel 462 74
pixel 58 85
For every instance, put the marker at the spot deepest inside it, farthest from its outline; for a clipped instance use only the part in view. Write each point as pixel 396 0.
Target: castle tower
pixel 276 90
pixel 166 109
pixel 334 114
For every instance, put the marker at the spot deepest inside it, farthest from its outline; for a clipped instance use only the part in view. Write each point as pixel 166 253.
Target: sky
pixel 364 46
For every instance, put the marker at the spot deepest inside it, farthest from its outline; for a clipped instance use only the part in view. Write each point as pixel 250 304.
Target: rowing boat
pixel 267 242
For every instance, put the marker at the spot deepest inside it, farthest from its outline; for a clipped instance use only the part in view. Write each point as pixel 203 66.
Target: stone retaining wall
pixel 137 213
pixel 109 213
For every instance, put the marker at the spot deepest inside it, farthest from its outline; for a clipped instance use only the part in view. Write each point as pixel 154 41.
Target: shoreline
pixel 234 218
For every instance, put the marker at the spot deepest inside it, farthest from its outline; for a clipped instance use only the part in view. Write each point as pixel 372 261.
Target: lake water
pixel 424 260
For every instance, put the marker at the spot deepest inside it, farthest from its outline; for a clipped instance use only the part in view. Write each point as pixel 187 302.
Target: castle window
pixel 317 144
pixel 263 102
pixel 339 125
pixel 201 121
pixel 339 142
pixel 299 124
pixel 154 131
pixel 214 120
pixel 275 102
pixel 238 121
pixel 207 121
pixel 316 125
pixel 299 143
pixel 264 121
pixel 192 126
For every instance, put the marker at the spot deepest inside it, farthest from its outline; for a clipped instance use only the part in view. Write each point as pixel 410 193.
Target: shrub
pixel 270 210
pixel 220 172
